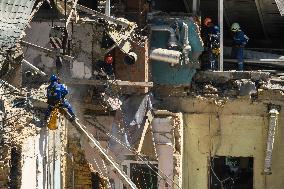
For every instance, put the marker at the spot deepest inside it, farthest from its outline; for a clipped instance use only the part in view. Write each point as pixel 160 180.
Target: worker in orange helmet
pixel 212 42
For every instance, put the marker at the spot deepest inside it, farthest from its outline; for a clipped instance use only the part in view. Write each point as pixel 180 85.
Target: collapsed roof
pixel 15 16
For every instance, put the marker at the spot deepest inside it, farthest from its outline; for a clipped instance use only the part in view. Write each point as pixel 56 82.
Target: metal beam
pixel 98 14
pixel 49 52
pixel 258 6
pixel 107 82
pixel 102 152
pixel 34 67
pixel 221 25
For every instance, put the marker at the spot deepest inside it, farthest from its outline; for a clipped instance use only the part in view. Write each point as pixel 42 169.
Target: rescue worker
pixel 240 41
pixel 56 93
pixel 212 42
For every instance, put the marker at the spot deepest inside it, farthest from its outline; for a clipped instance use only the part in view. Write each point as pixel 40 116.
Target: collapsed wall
pixel 228 115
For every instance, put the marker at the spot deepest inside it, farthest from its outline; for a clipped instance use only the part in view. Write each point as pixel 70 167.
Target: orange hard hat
pixel 207 21
pixel 109 59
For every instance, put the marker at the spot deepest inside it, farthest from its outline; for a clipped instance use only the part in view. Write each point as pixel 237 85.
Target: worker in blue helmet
pixel 56 93
pixel 240 41
pixel 212 42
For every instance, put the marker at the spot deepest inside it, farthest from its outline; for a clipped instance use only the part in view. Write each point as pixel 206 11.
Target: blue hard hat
pixel 53 78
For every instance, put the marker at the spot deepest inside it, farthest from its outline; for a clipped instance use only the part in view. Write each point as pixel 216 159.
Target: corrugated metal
pixel 14 16
pixel 280 5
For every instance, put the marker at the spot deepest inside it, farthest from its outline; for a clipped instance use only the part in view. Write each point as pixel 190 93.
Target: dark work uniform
pixel 56 95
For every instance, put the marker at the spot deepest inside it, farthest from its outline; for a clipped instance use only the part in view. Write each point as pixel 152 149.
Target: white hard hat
pixel 235 27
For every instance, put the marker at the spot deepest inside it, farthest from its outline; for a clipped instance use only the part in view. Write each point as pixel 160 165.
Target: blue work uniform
pixel 56 95
pixel 213 42
pixel 240 41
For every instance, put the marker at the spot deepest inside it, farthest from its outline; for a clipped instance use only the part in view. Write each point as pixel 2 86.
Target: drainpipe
pixel 186 47
pixel 273 122
pixel 172 40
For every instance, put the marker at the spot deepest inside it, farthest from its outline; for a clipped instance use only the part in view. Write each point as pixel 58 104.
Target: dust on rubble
pixel 20 121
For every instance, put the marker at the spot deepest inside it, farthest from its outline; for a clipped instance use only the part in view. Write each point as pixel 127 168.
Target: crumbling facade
pixel 146 115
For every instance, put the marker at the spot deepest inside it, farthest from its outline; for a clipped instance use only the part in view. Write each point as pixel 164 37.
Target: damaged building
pixel 149 113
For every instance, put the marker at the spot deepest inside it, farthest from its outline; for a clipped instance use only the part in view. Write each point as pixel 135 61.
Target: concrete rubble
pixel 148 114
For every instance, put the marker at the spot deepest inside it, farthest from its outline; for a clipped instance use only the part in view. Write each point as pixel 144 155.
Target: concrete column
pixel 107 11
pixel 162 129
pixel 195 6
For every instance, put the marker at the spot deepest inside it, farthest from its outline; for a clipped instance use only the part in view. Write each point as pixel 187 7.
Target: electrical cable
pixel 133 151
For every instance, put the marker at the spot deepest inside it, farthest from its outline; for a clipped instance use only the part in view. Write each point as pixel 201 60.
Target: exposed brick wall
pixel 4 166
pixel 81 167
pixel 85 175
pixel 10 167
pixel 15 167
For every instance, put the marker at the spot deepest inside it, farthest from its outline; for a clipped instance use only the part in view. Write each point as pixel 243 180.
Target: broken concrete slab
pixel 223 77
pixel 245 87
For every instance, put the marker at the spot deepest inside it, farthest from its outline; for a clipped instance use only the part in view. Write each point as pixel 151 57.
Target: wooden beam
pixel 98 14
pixel 107 82
pixel 145 129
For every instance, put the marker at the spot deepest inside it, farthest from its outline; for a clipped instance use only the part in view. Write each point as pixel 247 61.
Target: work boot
pixel 43 122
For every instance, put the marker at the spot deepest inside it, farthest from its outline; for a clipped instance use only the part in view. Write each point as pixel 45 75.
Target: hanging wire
pixel 140 156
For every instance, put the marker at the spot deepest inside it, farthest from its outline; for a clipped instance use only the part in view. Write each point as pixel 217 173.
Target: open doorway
pixel 231 172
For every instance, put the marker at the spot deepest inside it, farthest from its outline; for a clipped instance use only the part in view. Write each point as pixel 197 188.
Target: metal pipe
pixel 34 68
pixel 221 25
pixel 172 40
pixel 186 47
pixel 165 55
pixel 273 123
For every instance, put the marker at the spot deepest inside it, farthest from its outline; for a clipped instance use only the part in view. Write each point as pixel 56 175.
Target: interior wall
pixel 230 131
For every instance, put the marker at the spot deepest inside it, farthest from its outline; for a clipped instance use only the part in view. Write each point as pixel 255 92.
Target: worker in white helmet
pixel 240 41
